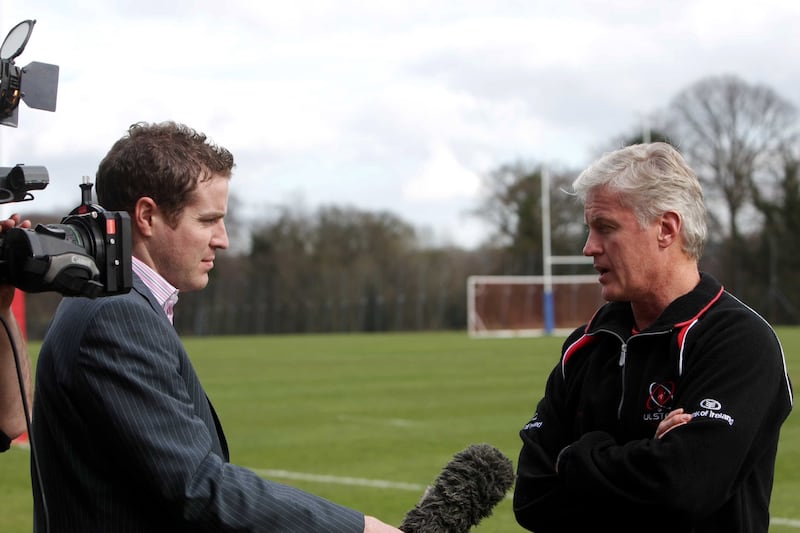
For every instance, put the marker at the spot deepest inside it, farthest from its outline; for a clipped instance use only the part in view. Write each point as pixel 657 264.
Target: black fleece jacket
pixel 709 354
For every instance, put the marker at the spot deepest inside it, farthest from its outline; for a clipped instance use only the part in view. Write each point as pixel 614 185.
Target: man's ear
pixel 143 214
pixel 670 229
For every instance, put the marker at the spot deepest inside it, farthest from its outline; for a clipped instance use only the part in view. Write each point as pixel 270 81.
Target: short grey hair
pixel 651 179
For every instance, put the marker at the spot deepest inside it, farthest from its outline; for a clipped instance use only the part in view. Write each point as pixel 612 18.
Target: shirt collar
pixel 166 295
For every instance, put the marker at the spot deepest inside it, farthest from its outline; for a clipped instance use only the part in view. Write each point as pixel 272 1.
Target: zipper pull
pixel 622 351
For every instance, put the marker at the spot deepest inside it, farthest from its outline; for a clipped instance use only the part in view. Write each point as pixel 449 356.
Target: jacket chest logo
pixel 660 396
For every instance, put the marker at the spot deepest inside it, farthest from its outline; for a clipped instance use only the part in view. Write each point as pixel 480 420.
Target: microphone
pixel 464 493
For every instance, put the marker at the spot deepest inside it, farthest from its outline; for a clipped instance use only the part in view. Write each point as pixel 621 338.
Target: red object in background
pixel 18 308
pixel 21 441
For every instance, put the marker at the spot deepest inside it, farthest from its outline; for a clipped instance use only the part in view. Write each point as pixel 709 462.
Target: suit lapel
pixel 144 292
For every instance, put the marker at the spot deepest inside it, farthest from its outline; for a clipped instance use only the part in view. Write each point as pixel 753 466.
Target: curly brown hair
pixel 164 161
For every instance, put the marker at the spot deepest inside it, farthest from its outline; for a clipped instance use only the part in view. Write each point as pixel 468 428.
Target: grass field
pixel 369 420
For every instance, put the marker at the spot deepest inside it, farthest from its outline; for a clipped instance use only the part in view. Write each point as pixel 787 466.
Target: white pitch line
pixel 384 484
pixel 338 480
pixel 788 522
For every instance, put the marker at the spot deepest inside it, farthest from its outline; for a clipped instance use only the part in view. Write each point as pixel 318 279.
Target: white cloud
pixel 442 177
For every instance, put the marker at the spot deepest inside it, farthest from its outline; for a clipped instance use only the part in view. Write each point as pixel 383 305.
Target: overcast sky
pixel 381 105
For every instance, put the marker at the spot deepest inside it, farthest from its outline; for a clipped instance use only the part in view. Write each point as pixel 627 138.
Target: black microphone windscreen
pixel 464 493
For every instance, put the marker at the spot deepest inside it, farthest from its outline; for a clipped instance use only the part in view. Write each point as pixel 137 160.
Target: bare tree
pixel 513 208
pixel 780 207
pixel 731 132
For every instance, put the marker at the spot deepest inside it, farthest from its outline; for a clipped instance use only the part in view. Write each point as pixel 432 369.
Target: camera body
pixel 87 254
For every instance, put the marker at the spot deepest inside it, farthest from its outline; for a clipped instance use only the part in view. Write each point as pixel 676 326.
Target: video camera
pixel 89 252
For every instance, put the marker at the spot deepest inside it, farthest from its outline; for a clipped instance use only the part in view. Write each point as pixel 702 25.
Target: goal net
pixel 506 306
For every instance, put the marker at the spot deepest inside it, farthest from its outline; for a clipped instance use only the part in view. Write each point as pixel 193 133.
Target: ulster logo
pixel 660 395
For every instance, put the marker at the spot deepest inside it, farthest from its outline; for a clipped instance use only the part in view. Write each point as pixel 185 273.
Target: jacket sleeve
pixel 131 381
pixel 542 501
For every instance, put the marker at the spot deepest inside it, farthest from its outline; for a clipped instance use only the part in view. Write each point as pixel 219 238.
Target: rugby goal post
pixel 510 306
pixel 504 306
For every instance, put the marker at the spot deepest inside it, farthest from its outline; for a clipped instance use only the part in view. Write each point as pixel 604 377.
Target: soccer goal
pixel 507 306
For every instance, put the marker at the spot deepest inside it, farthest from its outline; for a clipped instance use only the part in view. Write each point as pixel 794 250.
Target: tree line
pixel 343 269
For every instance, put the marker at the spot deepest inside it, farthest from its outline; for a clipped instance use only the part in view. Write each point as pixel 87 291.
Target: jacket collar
pixel 140 287
pixel 618 316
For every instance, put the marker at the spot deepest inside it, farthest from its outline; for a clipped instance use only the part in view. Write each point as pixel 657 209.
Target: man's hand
pixel 7 290
pixel 12 414
pixel 14 221
pixel 674 419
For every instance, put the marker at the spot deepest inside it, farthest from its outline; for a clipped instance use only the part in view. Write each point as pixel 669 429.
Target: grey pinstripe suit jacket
pixel 128 442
